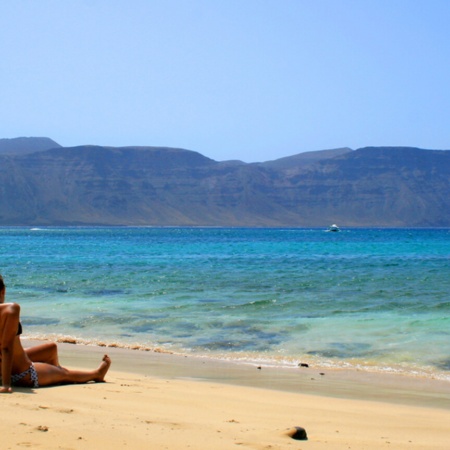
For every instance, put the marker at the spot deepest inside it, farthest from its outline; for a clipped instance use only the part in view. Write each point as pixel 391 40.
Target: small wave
pixel 344 350
pixel 105 292
pixel 95 342
pixel 253 304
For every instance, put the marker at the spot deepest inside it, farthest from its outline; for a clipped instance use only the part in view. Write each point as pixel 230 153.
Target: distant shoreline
pixel 225 227
pixel 336 366
pixel 315 380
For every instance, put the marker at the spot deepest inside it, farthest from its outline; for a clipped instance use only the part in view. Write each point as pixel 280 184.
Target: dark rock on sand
pixel 298 433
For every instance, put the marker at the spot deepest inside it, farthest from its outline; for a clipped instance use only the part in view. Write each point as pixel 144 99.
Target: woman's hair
pixel 2 283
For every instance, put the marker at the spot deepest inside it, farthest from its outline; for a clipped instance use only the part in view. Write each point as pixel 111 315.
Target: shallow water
pixel 372 298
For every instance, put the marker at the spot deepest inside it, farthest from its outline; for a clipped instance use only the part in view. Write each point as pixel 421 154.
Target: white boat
pixel 333 227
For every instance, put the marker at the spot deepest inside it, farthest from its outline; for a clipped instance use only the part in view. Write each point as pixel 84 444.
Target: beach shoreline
pixel 163 401
pixel 348 383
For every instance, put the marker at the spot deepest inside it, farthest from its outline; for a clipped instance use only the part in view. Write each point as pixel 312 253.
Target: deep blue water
pixel 376 298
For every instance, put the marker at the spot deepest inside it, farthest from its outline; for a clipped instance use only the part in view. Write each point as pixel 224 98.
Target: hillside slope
pixel 94 185
pixel 23 145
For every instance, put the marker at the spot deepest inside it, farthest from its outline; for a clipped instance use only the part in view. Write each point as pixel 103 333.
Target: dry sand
pixel 157 401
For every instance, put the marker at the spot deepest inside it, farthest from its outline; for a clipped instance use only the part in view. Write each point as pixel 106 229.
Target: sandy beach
pixel 160 401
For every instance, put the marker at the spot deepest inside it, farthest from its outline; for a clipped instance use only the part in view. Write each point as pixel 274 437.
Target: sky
pixel 253 80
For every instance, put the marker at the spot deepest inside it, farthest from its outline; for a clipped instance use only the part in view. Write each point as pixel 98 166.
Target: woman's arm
pixel 9 324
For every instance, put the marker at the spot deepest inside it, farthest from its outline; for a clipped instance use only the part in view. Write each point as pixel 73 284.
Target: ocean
pixel 371 299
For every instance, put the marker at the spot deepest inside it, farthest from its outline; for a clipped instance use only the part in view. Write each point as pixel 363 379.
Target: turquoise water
pixel 371 298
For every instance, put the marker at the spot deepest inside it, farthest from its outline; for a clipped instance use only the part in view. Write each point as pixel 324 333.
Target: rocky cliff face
pixel 163 186
pixel 378 187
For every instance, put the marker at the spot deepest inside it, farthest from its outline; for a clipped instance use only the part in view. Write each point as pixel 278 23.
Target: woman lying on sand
pixel 36 366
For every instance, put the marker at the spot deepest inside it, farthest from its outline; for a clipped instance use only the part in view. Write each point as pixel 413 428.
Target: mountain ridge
pixel 24 145
pixel 163 186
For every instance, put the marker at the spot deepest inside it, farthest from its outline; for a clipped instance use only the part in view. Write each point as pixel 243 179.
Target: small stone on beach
pixel 298 433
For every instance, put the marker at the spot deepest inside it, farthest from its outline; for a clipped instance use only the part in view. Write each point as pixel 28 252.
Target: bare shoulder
pixel 12 309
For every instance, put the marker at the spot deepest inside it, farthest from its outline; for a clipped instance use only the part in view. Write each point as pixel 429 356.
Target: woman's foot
pixel 103 369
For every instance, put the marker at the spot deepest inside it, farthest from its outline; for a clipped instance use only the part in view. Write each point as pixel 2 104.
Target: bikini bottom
pixel 33 375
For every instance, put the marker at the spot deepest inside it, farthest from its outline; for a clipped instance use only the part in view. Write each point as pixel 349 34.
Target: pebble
pixel 298 433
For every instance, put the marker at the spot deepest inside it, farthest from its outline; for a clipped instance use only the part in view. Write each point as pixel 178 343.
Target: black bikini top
pixel 19 329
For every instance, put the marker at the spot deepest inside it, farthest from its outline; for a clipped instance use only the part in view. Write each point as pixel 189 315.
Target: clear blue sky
pixel 254 80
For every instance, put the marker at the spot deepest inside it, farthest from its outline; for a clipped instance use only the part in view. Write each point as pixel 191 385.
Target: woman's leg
pixel 44 353
pixel 50 375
